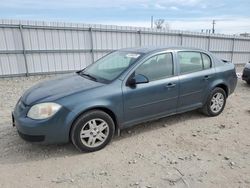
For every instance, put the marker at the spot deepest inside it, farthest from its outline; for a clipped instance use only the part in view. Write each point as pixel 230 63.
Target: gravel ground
pixel 187 150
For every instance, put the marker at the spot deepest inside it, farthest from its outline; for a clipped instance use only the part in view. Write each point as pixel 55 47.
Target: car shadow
pixel 169 121
pixel 245 85
pixel 15 150
pixel 242 83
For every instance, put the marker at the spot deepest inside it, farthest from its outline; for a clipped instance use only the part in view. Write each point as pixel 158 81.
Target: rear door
pixel 195 74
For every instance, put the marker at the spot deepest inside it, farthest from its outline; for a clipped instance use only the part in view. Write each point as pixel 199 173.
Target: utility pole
pixel 152 22
pixel 213 30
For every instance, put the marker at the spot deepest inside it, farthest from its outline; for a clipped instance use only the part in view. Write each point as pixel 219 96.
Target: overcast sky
pixel 232 17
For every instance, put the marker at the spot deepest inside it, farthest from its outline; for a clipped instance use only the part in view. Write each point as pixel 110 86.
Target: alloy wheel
pixel 217 102
pixel 94 132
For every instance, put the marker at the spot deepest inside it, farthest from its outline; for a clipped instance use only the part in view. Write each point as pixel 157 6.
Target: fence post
pixel 91 44
pixel 140 43
pixel 181 35
pixel 24 50
pixel 232 53
pixel 208 43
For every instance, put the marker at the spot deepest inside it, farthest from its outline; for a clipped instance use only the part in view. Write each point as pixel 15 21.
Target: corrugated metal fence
pixel 32 47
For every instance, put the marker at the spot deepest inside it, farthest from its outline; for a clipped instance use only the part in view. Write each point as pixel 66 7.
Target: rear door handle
pixel 170 85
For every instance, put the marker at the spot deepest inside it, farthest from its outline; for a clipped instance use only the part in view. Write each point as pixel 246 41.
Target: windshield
pixel 111 66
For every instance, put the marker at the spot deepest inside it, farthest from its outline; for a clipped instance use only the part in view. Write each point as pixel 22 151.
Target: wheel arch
pixel 224 87
pixel 101 108
pixel 218 83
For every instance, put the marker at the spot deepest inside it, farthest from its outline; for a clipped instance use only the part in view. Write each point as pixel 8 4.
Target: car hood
pixel 57 88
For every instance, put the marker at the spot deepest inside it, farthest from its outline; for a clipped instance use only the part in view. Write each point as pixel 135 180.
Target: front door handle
pixel 170 85
pixel 206 77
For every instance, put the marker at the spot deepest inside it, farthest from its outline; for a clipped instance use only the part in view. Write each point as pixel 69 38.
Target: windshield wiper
pixel 88 75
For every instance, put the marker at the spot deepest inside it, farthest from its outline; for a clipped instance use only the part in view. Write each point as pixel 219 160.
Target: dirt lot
pixel 187 150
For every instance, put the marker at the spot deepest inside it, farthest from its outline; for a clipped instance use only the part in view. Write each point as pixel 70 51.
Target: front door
pixel 156 98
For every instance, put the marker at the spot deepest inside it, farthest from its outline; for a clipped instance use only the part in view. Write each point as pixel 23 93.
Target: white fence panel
pixel 33 47
pixel 221 44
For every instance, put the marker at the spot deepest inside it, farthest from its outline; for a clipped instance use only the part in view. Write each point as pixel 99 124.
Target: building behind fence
pixel 32 47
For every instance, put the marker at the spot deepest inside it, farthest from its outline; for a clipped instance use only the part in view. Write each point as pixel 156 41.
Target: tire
pixel 218 98
pixel 248 82
pixel 92 131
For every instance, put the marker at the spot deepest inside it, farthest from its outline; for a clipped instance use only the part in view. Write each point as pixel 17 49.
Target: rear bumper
pixel 246 74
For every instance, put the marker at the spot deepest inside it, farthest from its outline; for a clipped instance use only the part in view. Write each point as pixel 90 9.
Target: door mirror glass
pixel 138 79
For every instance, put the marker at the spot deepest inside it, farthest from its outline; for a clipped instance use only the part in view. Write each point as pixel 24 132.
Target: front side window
pixel 157 67
pixel 190 62
pixel 111 66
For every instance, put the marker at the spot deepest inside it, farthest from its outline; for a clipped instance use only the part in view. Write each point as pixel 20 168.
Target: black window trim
pixel 203 60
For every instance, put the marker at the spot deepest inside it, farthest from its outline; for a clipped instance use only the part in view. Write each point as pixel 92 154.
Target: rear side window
pixel 190 62
pixel 206 61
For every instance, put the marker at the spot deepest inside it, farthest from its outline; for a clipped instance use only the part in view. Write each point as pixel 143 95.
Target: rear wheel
pixel 215 102
pixel 92 131
pixel 248 81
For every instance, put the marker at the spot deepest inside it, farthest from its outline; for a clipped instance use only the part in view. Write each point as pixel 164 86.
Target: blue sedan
pixel 122 89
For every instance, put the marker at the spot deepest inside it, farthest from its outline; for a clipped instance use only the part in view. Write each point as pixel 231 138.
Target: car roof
pixel 150 49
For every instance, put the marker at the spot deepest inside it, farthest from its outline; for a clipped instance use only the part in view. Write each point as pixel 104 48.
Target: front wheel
pixel 92 131
pixel 215 102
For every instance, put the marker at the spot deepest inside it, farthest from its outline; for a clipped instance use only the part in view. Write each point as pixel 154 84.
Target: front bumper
pixel 246 74
pixel 49 131
pixel 32 138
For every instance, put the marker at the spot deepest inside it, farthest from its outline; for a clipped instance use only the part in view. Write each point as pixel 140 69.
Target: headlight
pixel 43 110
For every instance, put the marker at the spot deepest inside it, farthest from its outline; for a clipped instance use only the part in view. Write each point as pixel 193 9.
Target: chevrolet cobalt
pixel 122 89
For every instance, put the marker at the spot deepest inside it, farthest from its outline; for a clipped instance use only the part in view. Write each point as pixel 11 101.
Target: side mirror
pixel 137 79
